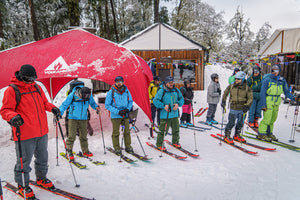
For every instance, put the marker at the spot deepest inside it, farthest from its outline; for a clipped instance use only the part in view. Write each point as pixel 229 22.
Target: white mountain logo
pixel 58 66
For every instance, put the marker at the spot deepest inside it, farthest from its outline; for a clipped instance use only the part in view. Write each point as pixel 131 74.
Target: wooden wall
pixel 196 55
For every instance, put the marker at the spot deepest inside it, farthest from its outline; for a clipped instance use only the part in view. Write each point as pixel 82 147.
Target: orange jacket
pixel 32 109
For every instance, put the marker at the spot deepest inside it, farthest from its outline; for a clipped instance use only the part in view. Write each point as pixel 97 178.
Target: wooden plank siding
pixel 196 55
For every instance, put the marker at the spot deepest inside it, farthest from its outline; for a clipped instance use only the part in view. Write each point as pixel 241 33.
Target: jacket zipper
pixel 37 111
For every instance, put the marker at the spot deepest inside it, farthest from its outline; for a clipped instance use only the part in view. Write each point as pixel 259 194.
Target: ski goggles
pixel 28 79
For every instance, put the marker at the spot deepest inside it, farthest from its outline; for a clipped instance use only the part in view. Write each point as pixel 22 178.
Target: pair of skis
pixel 56 191
pixel 221 138
pixel 212 125
pixel 200 112
pixel 127 159
pixel 173 154
pixel 78 164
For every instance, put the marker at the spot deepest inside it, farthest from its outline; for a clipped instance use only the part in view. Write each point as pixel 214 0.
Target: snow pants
pixel 212 108
pixel 267 123
pixel 116 122
pixel 255 110
pixel 174 124
pixel 37 147
pixel 186 113
pixel 82 126
pixel 155 110
pixel 232 117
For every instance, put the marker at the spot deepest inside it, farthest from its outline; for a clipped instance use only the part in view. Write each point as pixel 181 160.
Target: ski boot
pixel 28 191
pixel 213 121
pixel 70 155
pixel 208 122
pixel 161 148
pixel 189 124
pixel 129 150
pixel 45 183
pixel 252 124
pixel 238 137
pixel 182 124
pixel 177 145
pixel 273 137
pixel 118 152
pixel 88 154
pixel 227 137
pixel 264 137
pixel 256 125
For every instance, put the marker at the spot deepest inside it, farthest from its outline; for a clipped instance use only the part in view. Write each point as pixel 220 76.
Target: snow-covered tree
pixel 262 35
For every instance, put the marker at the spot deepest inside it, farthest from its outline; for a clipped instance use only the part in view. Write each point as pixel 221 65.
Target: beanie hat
pixel 169 79
pixel 27 71
pixel 214 76
pixel 119 78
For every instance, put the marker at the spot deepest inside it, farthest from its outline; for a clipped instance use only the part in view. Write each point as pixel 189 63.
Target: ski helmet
pixel 235 70
pixel 275 67
pixel 256 69
pixel 85 93
pixel 240 75
pixel 214 76
pixel 169 79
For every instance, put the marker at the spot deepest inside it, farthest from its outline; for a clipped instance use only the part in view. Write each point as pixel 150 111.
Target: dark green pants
pixel 174 124
pixel 116 122
pixel 82 125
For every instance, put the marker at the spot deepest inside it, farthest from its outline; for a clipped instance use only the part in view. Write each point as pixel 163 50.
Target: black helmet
pixel 256 69
pixel 27 73
pixel 85 93
pixel 156 78
pixel 235 70
pixel 214 76
pixel 119 78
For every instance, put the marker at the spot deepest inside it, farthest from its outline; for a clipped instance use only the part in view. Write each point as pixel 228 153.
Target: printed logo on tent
pixel 58 66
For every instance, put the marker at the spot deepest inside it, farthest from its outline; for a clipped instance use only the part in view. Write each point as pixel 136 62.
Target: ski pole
pixel 223 111
pixel 123 130
pixel 294 125
pixel 101 127
pixel 166 126
pixel 18 133
pixel 287 110
pixel 63 138
pixel 244 116
pixel 194 126
pixel 56 144
pixel 1 192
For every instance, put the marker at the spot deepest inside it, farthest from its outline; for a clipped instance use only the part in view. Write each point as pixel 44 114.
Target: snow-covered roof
pixel 282 41
pixel 162 35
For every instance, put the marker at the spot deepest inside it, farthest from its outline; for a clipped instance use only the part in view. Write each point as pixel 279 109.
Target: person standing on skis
pixel 168 99
pixel 240 101
pixel 254 82
pixel 188 95
pixel 78 103
pixel 24 106
pixel 213 98
pixel 119 102
pixel 273 85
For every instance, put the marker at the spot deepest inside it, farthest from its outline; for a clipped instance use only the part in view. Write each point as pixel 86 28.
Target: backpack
pixel 182 90
pixel 19 94
pixel 74 84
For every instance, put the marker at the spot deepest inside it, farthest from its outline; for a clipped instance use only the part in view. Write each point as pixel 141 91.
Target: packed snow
pixel 221 172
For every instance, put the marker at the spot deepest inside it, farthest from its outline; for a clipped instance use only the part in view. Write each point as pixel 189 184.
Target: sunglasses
pixel 28 79
pixel 238 79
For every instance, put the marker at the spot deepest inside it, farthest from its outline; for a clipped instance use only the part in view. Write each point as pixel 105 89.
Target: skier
pixel 254 82
pixel 231 78
pixel 24 107
pixel 273 85
pixel 240 102
pixel 78 102
pixel 188 95
pixel 119 102
pixel 168 99
pixel 154 85
pixel 213 98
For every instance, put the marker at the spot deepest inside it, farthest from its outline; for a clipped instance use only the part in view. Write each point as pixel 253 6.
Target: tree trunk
pixel 178 12
pixel 36 34
pixel 1 26
pixel 73 12
pixel 156 11
pixel 107 20
pixel 114 17
pixel 101 23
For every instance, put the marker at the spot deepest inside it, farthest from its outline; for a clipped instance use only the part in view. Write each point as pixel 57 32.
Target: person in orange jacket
pixel 24 106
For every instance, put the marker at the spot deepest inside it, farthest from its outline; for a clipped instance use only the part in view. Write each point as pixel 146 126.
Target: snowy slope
pixel 220 173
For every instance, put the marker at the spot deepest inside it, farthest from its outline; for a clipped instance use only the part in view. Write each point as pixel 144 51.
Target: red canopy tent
pixel 79 54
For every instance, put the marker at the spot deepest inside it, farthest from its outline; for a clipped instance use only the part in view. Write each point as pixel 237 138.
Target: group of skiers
pixel 25 105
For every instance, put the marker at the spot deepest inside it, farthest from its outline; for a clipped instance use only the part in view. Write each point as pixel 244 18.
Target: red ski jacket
pixel 32 108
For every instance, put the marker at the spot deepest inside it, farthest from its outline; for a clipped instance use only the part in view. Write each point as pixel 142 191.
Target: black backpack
pixel 74 84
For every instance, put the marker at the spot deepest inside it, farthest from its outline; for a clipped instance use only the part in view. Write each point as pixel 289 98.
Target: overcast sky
pixel 279 13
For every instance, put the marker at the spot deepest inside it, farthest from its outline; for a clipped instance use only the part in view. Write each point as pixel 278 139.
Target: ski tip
pixel 270 149
pixel 252 152
pixel 182 158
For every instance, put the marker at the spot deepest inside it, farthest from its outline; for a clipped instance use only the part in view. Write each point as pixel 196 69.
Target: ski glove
pixel 126 110
pixel 219 90
pixel 245 109
pixel 17 121
pixel 264 109
pixel 223 104
pixel 56 112
pixel 122 113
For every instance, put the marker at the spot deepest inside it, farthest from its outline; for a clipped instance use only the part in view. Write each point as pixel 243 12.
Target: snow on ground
pixel 221 172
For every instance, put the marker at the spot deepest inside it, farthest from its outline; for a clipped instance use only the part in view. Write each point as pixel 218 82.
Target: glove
pixel 223 104
pixel 17 121
pixel 122 113
pixel 219 90
pixel 126 110
pixel 56 112
pixel 264 109
pixel 245 109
